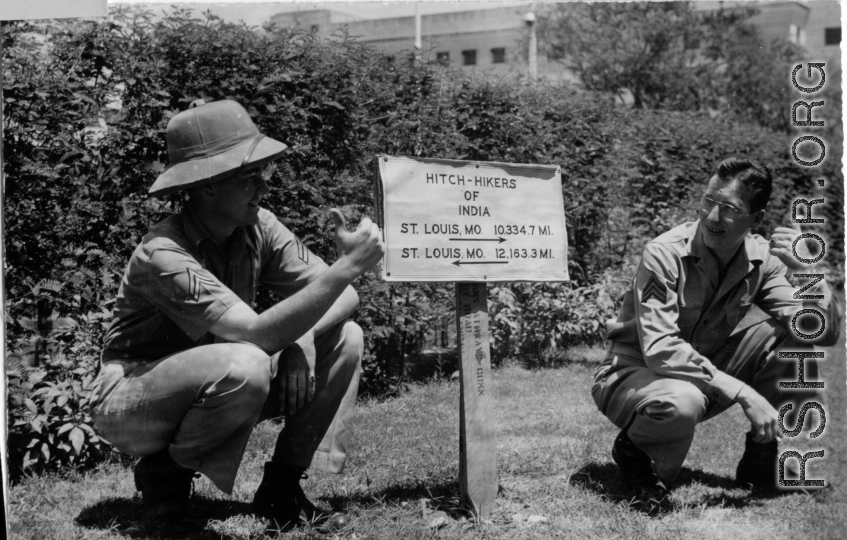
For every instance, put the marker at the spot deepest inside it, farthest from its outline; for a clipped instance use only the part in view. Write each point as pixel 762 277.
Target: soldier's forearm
pixel 287 321
pixel 343 308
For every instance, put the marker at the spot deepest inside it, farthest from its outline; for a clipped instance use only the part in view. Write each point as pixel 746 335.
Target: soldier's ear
pixel 757 218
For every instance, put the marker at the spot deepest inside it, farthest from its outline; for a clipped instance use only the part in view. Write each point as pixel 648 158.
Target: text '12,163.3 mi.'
pixel 448 220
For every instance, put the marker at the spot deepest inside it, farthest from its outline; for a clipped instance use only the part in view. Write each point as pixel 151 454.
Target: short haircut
pixel 756 178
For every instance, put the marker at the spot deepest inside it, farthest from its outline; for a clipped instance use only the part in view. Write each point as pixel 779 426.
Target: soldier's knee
pixel 353 342
pixel 690 405
pixel 250 370
pixel 682 405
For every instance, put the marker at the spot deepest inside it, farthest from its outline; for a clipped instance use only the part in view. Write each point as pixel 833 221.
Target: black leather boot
pixel 757 469
pixel 638 476
pixel 165 490
pixel 281 499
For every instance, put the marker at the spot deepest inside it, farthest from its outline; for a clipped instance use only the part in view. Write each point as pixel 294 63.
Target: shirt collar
pixel 696 247
pixel 194 228
pixel 196 232
pixel 740 265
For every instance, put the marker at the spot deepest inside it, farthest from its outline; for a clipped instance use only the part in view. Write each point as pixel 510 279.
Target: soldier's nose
pixel 714 214
pixel 263 187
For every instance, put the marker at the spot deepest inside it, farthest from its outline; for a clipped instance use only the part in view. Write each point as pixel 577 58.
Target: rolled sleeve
pixel 657 315
pixel 185 292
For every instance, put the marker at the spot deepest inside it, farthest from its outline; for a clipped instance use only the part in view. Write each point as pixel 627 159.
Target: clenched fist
pixel 781 247
pixel 358 250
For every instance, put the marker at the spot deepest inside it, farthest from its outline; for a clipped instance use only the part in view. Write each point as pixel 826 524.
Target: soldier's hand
pixel 764 420
pixel 360 249
pixel 780 246
pixel 297 374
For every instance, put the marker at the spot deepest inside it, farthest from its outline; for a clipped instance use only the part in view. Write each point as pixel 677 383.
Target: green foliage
pixel 665 158
pixel 86 105
pixel 667 55
pixel 537 322
pixel 50 423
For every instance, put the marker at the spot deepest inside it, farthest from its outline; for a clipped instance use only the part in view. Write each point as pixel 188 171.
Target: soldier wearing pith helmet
pixel 189 368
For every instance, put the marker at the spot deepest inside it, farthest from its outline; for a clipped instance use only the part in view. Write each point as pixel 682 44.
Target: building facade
pixel 496 40
pixel 823 30
pixel 489 39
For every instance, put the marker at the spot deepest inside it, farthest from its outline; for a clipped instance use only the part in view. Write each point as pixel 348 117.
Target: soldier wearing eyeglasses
pixel 700 329
pixel 189 368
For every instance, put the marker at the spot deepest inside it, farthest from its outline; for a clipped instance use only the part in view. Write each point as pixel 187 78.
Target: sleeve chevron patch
pixel 654 288
pixel 195 280
pixel 302 251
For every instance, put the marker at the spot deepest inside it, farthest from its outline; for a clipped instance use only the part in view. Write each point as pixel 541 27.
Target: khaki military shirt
pixel 179 282
pixel 679 313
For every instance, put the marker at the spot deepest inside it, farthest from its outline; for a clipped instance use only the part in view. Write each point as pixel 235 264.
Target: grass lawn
pixel 554 462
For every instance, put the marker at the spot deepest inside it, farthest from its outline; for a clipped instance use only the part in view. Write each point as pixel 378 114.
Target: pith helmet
pixel 209 142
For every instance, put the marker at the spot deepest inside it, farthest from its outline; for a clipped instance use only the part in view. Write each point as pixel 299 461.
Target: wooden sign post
pixel 477 447
pixel 470 223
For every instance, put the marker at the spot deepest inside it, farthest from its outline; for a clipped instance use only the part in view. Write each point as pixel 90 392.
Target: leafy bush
pixel 672 56
pixel 51 426
pixel 538 322
pixel 86 105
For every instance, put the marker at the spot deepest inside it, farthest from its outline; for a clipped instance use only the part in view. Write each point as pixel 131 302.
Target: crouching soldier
pixel 188 368
pixel 700 329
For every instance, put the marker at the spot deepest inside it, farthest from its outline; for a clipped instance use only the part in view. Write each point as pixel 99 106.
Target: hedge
pixel 86 106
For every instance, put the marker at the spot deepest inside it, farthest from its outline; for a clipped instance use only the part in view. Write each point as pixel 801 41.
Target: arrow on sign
pixel 459 263
pixel 499 240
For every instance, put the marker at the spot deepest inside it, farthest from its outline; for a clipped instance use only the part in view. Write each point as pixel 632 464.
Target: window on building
pixel 832 36
pixel 442 57
pixel 498 55
pixel 315 28
pixel 469 57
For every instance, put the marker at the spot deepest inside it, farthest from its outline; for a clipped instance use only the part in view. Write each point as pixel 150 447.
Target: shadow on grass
pixel 604 480
pixel 126 516
pixel 442 496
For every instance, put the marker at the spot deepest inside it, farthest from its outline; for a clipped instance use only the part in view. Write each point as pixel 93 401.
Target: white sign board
pixel 449 220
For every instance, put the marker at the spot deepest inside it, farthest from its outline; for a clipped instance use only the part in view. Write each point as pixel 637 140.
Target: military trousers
pixel 660 413
pixel 203 403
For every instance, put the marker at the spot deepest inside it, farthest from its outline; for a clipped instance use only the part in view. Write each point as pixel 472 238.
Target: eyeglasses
pixel 727 211
pixel 266 171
